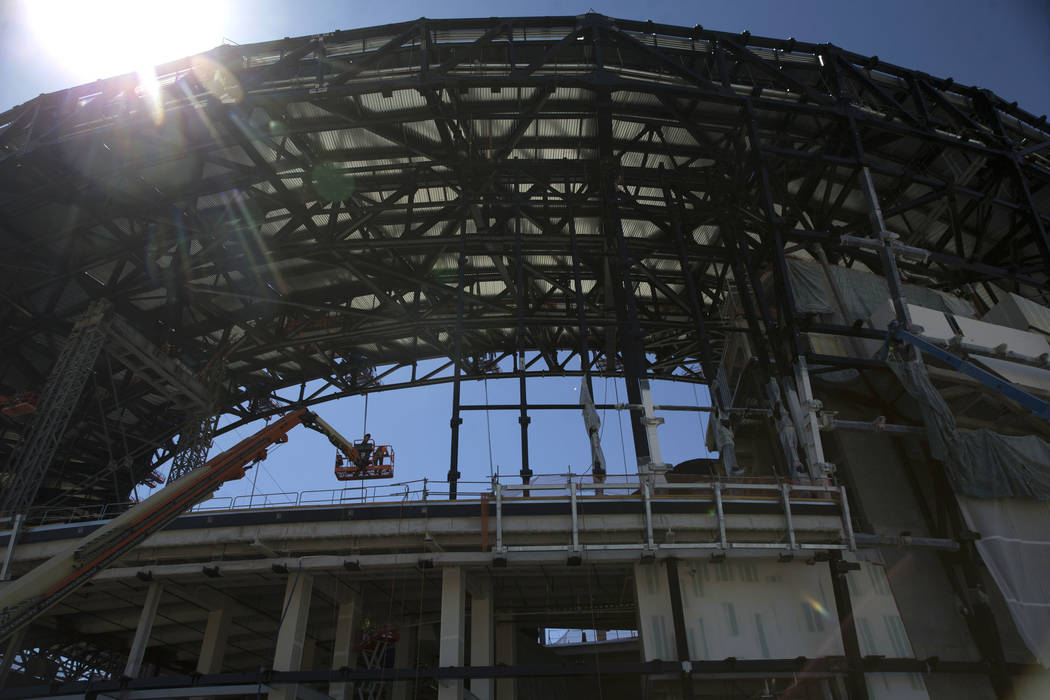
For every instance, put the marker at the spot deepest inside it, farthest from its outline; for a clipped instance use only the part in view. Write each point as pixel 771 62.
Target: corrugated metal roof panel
pixel 399 100
pixel 425 130
pixel 305 110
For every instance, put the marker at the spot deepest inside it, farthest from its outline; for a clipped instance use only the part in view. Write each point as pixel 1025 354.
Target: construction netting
pixel 863 293
pixel 1002 484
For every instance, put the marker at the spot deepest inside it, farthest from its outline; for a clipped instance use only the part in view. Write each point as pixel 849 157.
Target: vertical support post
pixel 143 631
pixel 674 588
pixel 630 334
pixel 855 682
pixel 482 633
pixel 781 328
pixel 647 500
pixel 597 459
pixel 450 646
pixel 506 655
pixel 213 646
pixel 651 423
pixel 723 433
pixel 523 417
pixel 889 261
pixel 581 313
pixel 786 298
pixel 785 499
pixel 348 621
pixel 720 514
pixel 499 518
pixel 807 423
pixel 575 518
pixel 456 420
pixel 847 519
pixel 405 657
pixel 291 637
pixel 9 556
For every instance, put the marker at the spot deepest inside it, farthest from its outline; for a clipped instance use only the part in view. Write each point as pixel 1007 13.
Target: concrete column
pixel 142 632
pixel 213 646
pixel 405 657
pixel 482 632
pixel 507 655
pixel 450 645
pixel 309 661
pixel 343 654
pixel 288 654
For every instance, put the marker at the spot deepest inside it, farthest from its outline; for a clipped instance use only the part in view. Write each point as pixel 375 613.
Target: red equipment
pixel 23 600
pixel 363 460
pixel 20 404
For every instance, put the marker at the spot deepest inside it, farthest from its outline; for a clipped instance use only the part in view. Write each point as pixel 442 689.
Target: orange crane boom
pixel 29 596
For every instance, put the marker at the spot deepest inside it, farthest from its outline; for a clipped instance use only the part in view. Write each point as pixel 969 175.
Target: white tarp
pixel 1015 545
pixel 755 608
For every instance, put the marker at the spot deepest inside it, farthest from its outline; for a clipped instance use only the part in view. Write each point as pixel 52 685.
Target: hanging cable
pixel 594 626
pixel 699 414
pixel 364 425
pixel 488 425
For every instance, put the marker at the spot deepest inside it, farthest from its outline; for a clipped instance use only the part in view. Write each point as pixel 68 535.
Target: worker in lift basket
pixel 364 450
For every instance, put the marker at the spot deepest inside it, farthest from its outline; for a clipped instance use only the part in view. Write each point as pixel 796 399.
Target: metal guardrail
pixel 572 487
pixel 780 491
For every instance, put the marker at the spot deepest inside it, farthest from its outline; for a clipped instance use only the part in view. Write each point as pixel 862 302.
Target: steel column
pixel 456 420
pixel 451 643
pixel 143 630
pixel 855 681
pixel 522 299
pixel 630 334
pixel 291 635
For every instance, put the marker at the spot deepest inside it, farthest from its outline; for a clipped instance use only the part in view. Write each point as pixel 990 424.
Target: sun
pixel 95 39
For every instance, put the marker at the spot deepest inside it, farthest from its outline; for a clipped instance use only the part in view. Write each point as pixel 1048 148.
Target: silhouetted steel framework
pixel 567 186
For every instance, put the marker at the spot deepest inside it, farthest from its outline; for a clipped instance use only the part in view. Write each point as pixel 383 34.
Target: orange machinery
pixel 363 460
pixel 29 596
pixel 22 403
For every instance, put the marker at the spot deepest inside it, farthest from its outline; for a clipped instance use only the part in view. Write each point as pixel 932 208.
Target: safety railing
pixel 570 488
pixel 713 491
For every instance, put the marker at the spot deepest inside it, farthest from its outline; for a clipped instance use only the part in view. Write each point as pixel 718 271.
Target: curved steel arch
pixel 451 188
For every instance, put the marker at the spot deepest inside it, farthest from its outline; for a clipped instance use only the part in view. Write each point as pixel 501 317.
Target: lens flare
pixel 217 79
pixel 817 606
pixel 103 38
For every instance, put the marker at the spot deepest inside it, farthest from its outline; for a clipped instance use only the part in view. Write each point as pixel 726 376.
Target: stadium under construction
pixel 853 257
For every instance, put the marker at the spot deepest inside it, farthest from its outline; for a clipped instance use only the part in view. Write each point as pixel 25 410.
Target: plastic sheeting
pixel 1015 545
pixel 1003 488
pixel 862 292
pixel 981 463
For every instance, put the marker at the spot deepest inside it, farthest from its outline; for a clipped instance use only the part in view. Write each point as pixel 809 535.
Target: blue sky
pixel 48 45
pixel 1002 45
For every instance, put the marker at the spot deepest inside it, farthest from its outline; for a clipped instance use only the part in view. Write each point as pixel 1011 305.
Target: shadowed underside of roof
pixel 295 207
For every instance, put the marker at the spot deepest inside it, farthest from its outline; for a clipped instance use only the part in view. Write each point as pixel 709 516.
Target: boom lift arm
pixel 31 595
